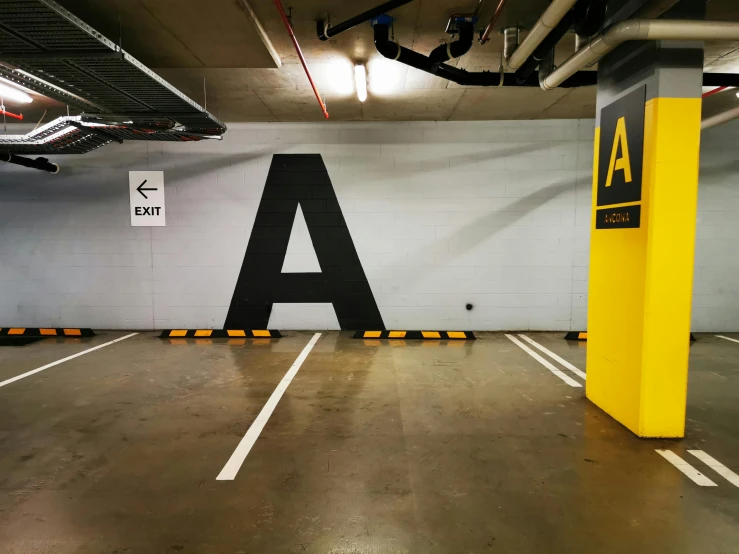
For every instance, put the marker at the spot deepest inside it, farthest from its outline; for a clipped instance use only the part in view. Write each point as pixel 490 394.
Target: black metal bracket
pixel 326 31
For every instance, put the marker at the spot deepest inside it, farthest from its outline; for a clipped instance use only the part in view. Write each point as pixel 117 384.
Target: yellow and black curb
pixel 44 333
pixel 416 335
pixel 581 335
pixel 219 334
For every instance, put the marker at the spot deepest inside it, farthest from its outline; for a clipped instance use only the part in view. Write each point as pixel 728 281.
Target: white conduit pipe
pixel 639 29
pixel 718 119
pixel 548 21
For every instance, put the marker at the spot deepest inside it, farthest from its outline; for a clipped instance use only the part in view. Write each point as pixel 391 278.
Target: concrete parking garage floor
pixel 376 446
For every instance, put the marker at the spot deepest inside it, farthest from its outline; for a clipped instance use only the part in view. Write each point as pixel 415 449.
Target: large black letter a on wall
pixel 301 179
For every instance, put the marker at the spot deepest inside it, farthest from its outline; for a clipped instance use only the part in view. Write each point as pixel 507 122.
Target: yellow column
pixel 641 261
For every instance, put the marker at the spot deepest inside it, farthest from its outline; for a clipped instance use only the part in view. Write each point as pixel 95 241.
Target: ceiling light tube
pixel 14 95
pixel 360 78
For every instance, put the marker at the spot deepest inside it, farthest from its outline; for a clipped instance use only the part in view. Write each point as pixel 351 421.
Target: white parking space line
pixel 554 356
pixel 716 466
pixel 693 474
pixel 232 467
pixel 566 378
pixel 52 364
pixel 727 338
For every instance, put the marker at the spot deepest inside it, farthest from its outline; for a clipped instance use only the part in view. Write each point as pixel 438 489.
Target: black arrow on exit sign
pixel 141 189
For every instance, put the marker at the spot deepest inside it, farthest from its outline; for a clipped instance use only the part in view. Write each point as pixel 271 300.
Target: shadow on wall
pixel 521 206
pixel 90 184
pixel 730 169
pixel 96 183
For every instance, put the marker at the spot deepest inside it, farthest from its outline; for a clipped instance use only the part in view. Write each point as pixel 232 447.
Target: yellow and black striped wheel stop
pixel 416 335
pixel 45 332
pixel 220 334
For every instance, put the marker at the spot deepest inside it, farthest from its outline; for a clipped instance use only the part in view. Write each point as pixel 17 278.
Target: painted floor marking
pixel 577 371
pixel 716 466
pixel 727 338
pixel 72 357
pixel 566 378
pixel 233 465
pixel 693 474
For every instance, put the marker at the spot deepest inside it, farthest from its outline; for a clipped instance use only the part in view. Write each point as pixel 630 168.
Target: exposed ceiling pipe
pixel 480 4
pixel 485 36
pixel 261 33
pixel 393 51
pixel 445 52
pixel 546 46
pixel 9 114
pixel 325 31
pixel 721 79
pixel 511 36
pixel 718 119
pixel 39 163
pixel 289 28
pixel 714 91
pixel 639 29
pixel 548 21
pixel 589 17
pixel 586 17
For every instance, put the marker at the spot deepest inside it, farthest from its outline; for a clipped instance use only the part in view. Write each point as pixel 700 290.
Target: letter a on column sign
pixel 620 141
pixel 301 180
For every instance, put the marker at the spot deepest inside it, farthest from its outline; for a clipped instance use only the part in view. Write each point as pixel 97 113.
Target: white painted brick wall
pixel 495 214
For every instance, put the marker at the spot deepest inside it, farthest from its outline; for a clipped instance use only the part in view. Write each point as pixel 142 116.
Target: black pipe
pixel 393 51
pixel 547 45
pixel 721 79
pixel 325 32
pixel 589 17
pixel 39 163
pixel 445 52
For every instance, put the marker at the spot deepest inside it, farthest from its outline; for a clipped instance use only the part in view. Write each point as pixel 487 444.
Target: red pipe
pixel 489 29
pixel 16 116
pixel 714 91
pixel 300 55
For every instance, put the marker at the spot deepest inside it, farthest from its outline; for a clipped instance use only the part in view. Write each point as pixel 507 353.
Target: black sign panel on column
pixel 621 159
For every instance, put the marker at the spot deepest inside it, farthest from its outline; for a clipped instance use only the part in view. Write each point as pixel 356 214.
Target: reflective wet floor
pixel 376 446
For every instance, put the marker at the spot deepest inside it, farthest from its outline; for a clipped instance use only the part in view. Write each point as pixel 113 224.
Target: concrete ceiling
pixel 217 44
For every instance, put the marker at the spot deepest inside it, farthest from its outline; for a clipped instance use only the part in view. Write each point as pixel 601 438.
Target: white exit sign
pixel 146 190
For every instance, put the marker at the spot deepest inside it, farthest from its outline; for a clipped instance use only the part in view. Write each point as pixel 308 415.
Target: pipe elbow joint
pixel 625 30
pixel 322 29
pixel 458 48
pixel 384 45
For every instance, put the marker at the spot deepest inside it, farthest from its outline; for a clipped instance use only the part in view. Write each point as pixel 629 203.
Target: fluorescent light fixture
pixel 360 79
pixel 14 95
